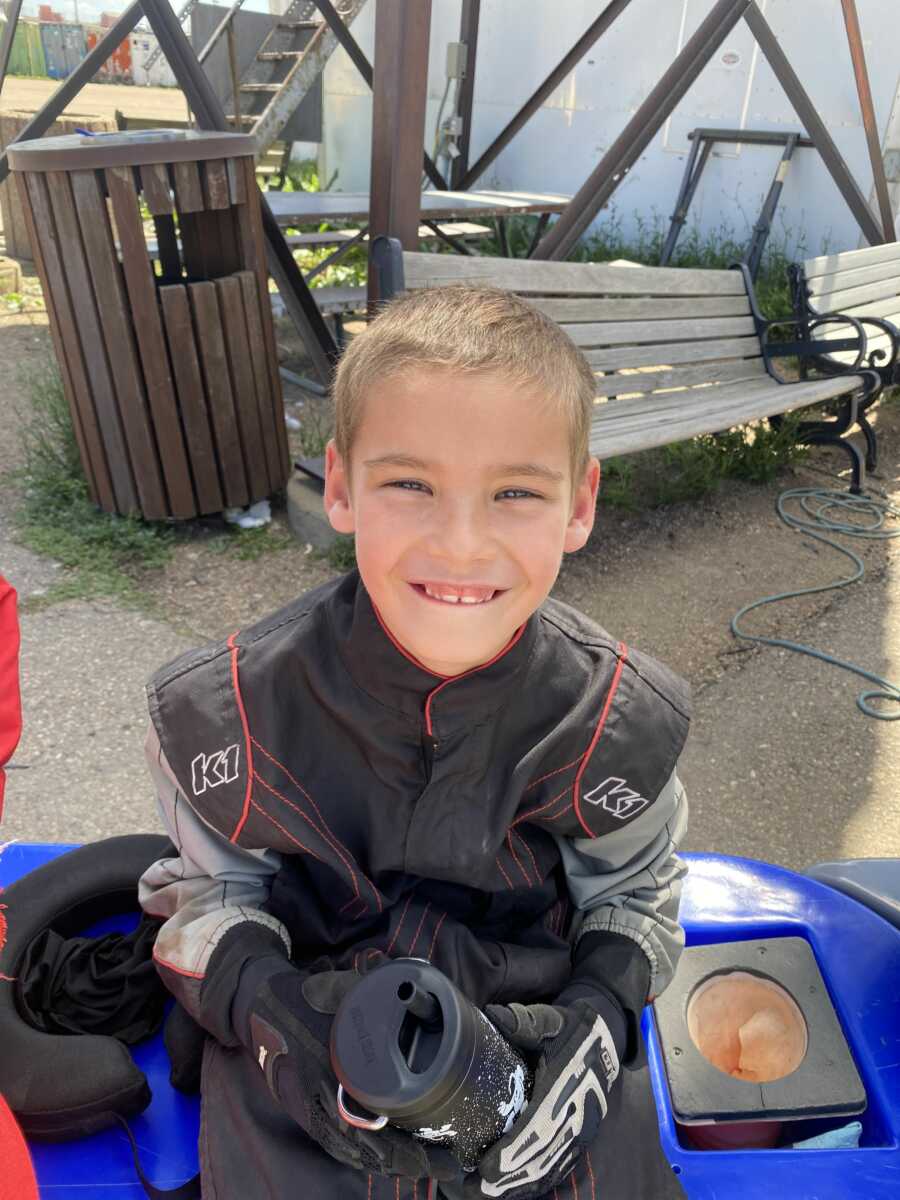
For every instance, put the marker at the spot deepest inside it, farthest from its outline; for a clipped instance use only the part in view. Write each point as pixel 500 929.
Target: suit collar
pixel 381 667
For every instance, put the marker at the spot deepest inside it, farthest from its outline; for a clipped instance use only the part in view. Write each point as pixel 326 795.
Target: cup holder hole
pixel 748 1026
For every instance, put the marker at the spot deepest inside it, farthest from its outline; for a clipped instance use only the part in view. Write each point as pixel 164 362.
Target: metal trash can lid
pixel 81 151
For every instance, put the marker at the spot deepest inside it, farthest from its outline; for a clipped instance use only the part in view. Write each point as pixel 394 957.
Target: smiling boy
pixel 429 757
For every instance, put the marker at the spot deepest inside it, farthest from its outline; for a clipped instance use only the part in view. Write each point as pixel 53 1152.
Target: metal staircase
pixel 287 64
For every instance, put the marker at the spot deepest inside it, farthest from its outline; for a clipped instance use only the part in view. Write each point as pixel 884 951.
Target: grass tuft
pixel 105 554
pixel 56 516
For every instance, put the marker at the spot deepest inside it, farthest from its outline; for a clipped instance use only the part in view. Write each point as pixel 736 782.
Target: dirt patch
pixel 97 99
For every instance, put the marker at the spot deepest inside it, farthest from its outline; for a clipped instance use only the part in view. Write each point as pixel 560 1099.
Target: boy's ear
pixel 584 507
pixel 337 502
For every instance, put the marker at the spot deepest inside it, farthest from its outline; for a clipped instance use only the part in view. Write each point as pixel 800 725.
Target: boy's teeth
pixel 458 597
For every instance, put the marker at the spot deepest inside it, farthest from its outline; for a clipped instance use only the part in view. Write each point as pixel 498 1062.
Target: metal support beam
pixel 12 20
pixel 867 108
pixel 700 150
pixel 362 64
pixel 83 73
pixel 223 25
pixel 210 114
pixel 813 123
pixel 468 35
pixel 559 72
pixel 640 130
pixel 402 30
pixel 767 212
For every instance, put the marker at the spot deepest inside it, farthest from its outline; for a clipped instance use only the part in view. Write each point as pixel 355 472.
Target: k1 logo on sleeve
pixel 614 796
pixel 210 770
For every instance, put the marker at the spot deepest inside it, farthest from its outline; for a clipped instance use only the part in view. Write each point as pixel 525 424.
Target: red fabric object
pixel 10 703
pixel 17 1180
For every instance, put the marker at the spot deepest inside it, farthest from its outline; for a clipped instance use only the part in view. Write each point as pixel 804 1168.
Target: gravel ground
pixel 780 765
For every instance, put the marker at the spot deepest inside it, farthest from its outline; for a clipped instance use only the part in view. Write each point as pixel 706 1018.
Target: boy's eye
pixel 416 484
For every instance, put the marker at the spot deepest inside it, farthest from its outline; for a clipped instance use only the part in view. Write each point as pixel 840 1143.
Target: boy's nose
pixel 461 533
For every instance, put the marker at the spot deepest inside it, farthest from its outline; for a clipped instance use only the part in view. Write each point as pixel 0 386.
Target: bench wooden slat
pixel 675 352
pixel 847 299
pixel 826 264
pixel 619 333
pixel 691 376
pixel 553 278
pixel 704 414
pixel 888 309
pixel 855 278
pixel 656 308
pixel 613 413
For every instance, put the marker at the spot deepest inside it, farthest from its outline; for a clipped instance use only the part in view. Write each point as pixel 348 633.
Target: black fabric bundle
pixel 103 985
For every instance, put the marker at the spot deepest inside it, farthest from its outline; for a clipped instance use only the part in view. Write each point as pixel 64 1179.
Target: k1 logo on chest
pixel 616 797
pixel 209 770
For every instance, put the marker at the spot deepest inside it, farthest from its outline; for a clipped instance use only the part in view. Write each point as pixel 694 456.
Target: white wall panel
pixel 521 40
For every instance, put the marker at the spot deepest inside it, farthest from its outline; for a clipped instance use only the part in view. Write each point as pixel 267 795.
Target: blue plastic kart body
pixel 724 899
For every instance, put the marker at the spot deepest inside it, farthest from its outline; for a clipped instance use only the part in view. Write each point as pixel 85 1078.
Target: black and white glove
pixel 283 1015
pixel 580 1041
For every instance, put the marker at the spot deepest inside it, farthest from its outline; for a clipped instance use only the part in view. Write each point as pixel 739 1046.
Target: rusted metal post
pixel 402 29
pixel 235 76
pixel 533 103
pixel 468 35
pixel 640 130
pixel 867 108
pixel 813 123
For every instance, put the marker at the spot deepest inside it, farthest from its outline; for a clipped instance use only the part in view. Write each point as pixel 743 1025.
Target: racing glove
pixel 282 1015
pixel 580 1042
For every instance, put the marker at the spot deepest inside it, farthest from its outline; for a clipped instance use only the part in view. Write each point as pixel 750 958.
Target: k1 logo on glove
pixel 577 1067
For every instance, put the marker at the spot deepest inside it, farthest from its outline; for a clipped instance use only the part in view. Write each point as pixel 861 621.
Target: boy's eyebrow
pixel 407 460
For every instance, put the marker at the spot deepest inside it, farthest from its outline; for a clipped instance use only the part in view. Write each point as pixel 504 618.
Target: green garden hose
pixel 819 507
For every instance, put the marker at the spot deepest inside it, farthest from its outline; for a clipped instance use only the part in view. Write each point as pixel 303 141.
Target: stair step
pixel 298 24
pixel 277 55
pixel 269 88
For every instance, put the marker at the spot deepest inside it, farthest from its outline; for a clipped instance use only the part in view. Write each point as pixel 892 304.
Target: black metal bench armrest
pixel 812 352
pixel 809 349
pixel 893 333
pixel 804 310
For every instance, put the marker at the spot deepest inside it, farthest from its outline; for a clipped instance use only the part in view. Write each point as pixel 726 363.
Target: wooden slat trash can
pixel 150 250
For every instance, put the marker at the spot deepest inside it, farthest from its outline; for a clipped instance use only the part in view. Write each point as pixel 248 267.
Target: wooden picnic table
pixel 300 208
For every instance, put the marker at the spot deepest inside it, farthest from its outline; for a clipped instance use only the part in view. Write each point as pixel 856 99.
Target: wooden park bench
pixel 676 352
pixel 864 284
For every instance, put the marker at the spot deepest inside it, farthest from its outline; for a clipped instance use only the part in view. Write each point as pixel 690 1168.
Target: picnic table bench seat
pixel 864 284
pixel 676 352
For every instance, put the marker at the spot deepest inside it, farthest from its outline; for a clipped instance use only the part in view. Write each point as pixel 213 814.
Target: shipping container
pixel 64 48
pixel 27 54
pixel 118 67
pixel 160 73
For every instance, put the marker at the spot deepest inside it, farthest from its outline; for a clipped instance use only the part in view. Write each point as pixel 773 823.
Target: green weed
pixel 105 554
pixel 689 470
pixel 56 516
pixel 251 544
pixel 342 553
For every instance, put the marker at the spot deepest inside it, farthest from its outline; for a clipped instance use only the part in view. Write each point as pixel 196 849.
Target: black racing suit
pixel 319 781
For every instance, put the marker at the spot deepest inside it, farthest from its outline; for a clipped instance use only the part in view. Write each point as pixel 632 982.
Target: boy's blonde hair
pixel 467 327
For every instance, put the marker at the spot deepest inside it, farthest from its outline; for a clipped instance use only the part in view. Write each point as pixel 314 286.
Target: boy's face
pixel 440 503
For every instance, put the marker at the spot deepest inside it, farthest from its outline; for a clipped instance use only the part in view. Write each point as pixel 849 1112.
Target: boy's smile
pixel 461 500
